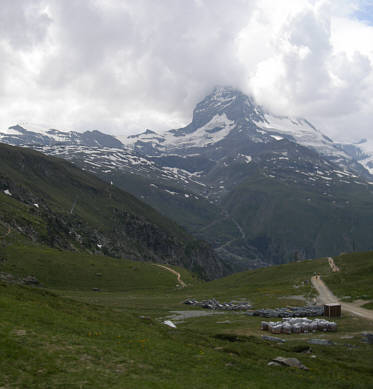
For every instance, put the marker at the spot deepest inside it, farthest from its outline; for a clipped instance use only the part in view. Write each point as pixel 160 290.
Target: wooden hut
pixel 332 310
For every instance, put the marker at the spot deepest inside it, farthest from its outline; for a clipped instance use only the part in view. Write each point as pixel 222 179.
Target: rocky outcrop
pixel 122 227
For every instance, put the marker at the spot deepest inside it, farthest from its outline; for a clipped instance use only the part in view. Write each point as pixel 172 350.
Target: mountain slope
pixel 262 189
pixel 53 202
pixel 287 191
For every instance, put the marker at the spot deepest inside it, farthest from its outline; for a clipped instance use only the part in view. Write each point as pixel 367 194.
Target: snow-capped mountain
pixel 361 151
pixel 18 135
pixel 226 113
pixel 260 188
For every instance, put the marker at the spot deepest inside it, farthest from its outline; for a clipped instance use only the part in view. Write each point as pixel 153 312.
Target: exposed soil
pixel 177 274
pixel 332 265
pixel 327 297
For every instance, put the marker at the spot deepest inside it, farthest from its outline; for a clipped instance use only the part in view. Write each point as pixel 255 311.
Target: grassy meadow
pixel 65 335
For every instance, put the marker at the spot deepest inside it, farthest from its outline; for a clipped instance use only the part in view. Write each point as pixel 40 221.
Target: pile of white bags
pixel 298 325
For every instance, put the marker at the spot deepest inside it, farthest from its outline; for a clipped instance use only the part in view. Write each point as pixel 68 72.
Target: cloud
pixel 23 23
pixel 122 66
pixel 310 72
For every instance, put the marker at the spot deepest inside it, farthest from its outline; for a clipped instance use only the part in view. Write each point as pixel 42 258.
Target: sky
pixel 121 66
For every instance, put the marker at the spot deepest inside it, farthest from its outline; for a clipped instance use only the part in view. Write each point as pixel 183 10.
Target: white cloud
pixel 122 66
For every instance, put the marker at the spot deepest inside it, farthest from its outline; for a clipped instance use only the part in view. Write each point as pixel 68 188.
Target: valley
pixel 102 243
pixel 186 194
pixel 98 322
pixel 238 177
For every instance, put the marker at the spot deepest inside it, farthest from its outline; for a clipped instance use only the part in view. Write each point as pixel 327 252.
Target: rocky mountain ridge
pixel 239 177
pixel 51 202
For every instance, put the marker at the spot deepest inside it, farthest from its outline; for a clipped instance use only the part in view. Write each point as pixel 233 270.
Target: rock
pixel 169 323
pixel 367 337
pixel 216 305
pixel 291 362
pixel 322 342
pixel 273 339
pixel 290 312
pixel 30 280
pixel 6 277
pixel 273 364
pixel 146 318
pixel 297 325
pixel 96 289
pixel 20 332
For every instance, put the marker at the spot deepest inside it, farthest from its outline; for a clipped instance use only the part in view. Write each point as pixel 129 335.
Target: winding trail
pixel 8 232
pixel 327 297
pixel 177 274
pixel 332 265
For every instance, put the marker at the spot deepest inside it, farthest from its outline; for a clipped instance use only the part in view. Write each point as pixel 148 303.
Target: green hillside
pixel 96 321
pixel 169 199
pixel 354 281
pixel 49 200
pixel 287 221
pixel 79 271
pixel 50 341
pixel 60 184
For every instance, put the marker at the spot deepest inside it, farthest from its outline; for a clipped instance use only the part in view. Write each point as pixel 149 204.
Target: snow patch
pixel 247 158
pixel 170 192
pixel 303 132
pixel 169 323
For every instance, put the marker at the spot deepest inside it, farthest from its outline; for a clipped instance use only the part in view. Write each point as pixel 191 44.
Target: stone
pixel 6 277
pixel 169 323
pixel 291 362
pixel 273 339
pixel 20 332
pixel 367 337
pixel 216 305
pixel 291 312
pixel 322 342
pixel 30 280
pixel 273 364
pixel 147 319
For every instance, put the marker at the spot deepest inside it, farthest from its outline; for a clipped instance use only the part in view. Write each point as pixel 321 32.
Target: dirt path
pixel 327 297
pixel 8 232
pixel 179 280
pixel 332 265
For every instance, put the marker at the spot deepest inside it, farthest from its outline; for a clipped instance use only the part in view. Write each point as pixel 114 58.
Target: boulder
pixel 30 280
pixel 291 362
pixel 273 364
pixel 289 312
pixel 216 305
pixel 6 277
pixel 322 342
pixel 273 339
pixel 367 337
pixel 169 323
